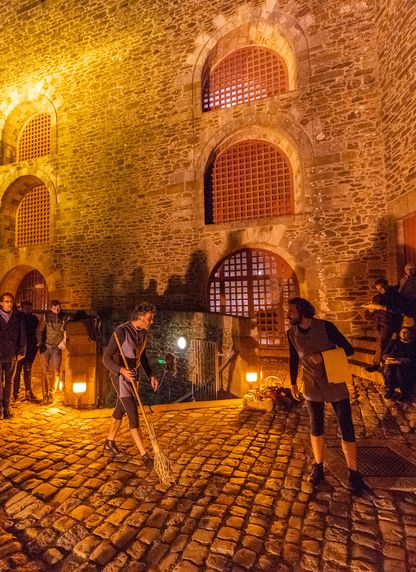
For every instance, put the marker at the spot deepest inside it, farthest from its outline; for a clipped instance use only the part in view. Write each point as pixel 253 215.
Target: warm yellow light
pixel 251 376
pixel 79 387
pixel 60 385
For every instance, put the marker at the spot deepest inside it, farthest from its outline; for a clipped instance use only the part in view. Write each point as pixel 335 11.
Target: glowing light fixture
pixel 79 387
pixel 182 342
pixel 251 376
pixel 60 385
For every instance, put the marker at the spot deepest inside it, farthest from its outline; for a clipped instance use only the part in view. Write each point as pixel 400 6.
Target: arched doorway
pixel 255 283
pixel 33 288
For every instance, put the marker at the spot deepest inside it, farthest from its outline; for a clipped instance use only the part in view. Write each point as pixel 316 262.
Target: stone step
pixel 358 369
pixel 365 342
pixel 363 356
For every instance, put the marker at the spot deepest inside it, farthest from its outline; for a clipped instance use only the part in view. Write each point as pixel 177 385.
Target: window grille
pixel 258 284
pixel 249 180
pixel 33 217
pixel 33 288
pixel 35 138
pixel 245 75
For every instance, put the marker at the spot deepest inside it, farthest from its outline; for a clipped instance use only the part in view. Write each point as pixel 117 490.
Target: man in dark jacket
pixel 51 341
pixel 31 323
pixel 12 349
pixel 386 310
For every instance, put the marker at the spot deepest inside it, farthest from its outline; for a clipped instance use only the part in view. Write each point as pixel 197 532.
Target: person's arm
pixel 294 369
pixel 293 362
pixel 22 345
pixel 39 330
pixel 146 366
pixel 335 336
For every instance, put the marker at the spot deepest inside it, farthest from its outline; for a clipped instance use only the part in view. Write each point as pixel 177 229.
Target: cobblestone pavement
pixel 241 500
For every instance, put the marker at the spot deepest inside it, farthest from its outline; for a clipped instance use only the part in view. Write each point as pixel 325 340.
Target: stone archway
pixel 27 283
pixel 255 283
pixel 33 288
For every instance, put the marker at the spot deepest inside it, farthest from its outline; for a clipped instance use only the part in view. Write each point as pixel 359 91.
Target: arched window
pixel 33 288
pixel 247 74
pixel 33 217
pixel 35 138
pixel 255 283
pixel 249 180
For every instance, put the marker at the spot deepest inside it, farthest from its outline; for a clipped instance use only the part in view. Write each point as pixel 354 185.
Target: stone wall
pixel 396 33
pixel 126 174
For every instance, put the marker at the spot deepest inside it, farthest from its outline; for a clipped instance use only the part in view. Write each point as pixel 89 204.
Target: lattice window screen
pixel 33 288
pixel 250 180
pixel 33 217
pixel 35 139
pixel 255 283
pixel 245 75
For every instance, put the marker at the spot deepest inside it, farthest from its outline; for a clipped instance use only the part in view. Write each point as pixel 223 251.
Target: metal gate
pixel 204 370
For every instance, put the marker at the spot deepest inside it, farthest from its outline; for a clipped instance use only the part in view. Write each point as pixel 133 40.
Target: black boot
pixel 7 413
pixel 30 396
pixel 148 462
pixel 110 448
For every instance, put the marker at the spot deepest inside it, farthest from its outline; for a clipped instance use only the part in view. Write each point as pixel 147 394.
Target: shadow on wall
pixel 114 300
pixel 366 265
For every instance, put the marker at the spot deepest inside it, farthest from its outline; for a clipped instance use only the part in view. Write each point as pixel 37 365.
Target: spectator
pixel 399 365
pixel 407 288
pixel 51 341
pixel 386 310
pixel 31 323
pixel 12 349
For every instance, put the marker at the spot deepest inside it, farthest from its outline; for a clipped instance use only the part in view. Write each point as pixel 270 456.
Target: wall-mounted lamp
pixel 182 342
pixel 251 376
pixel 79 387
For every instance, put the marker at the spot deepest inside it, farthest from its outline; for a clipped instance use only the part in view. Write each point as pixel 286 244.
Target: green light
pixel 162 361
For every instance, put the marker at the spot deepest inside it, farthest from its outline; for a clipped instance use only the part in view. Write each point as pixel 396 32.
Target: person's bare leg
pixel 138 440
pixel 114 427
pixel 350 453
pixel 318 444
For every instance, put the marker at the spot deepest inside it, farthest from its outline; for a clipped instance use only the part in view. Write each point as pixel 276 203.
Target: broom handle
pixel 134 386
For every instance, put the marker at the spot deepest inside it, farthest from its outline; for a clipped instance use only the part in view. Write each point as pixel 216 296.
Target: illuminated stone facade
pixel 130 144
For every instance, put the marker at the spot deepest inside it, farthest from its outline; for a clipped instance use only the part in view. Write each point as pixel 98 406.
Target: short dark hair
pixel 303 306
pixel 26 303
pixel 2 297
pixel 55 303
pixel 381 282
pixel 141 309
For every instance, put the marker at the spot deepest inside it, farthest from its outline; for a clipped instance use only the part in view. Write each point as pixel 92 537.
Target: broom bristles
pixel 163 468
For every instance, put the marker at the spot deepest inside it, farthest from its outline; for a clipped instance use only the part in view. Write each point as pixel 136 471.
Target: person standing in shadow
pixel 25 365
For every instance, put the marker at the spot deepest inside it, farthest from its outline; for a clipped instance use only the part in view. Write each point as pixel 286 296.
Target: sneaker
pixel 389 394
pixel 355 482
pixel 374 367
pixel 30 396
pixel 317 474
pixel 148 462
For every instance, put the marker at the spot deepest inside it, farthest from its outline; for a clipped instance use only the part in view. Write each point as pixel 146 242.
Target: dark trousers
pixel 24 365
pixel 6 378
pixel 398 376
pixel 50 357
pixel 384 335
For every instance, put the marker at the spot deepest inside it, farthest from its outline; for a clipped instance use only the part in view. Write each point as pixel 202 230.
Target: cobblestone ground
pixel 241 500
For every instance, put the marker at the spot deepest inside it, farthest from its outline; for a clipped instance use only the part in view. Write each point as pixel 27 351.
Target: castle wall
pixel 396 32
pixel 126 174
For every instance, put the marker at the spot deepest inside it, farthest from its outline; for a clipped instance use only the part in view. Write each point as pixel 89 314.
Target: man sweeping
pixel 127 347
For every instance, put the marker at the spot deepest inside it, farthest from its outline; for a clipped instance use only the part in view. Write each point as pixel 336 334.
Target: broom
pixel 162 464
